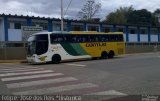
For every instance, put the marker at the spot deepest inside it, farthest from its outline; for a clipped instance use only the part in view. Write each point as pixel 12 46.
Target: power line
pixel 68 7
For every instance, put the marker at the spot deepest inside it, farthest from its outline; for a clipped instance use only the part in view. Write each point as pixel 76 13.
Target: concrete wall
pixel 12 51
pixel 142 47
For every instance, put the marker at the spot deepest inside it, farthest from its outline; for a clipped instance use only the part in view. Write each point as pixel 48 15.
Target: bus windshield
pixel 37 44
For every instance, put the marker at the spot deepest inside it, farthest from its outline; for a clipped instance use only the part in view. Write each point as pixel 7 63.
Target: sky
pixel 51 8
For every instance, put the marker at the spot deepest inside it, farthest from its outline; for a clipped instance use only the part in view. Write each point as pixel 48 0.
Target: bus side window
pixel 96 38
pixel 60 38
pixel 69 38
pixel 112 38
pixel 85 38
pixel 120 37
pixel 102 38
pixel 79 38
pixel 53 38
pixel 116 38
pixel 93 38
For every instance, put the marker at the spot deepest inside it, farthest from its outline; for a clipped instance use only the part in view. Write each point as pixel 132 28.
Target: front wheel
pixel 56 59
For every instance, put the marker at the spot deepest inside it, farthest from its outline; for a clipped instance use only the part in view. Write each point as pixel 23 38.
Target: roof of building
pixel 71 20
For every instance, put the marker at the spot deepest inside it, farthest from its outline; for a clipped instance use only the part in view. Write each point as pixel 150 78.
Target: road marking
pixel 35 72
pixel 75 65
pixel 56 89
pixel 40 82
pixel 31 77
pixel 21 70
pixel 109 92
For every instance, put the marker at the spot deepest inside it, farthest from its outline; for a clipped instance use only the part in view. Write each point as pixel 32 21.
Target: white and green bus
pixel 60 46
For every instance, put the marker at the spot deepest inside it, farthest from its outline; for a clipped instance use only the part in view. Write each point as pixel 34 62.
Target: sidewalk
pixel 13 61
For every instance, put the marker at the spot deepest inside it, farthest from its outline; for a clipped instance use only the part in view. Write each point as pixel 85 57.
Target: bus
pixel 61 46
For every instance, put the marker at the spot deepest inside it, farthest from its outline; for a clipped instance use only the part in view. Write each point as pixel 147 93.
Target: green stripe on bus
pixel 69 49
pixel 79 49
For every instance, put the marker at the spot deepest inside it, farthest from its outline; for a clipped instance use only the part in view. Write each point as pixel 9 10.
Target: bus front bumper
pixel 34 59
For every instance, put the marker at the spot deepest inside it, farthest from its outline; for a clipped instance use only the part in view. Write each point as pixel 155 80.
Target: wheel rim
pixel 56 59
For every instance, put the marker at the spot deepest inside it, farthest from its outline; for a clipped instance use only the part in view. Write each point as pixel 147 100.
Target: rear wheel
pixel 111 54
pixel 104 55
pixel 56 59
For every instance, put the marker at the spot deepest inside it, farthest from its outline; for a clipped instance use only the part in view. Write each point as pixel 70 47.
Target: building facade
pixel 10 28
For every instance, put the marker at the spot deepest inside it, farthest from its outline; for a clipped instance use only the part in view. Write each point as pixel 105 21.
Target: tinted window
pixel 72 38
pixel 17 25
pixel 41 44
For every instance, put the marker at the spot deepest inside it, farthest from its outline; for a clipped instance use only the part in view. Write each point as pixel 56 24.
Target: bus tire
pixel 56 59
pixel 111 54
pixel 104 55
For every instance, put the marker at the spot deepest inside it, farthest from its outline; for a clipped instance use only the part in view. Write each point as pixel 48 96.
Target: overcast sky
pixel 51 8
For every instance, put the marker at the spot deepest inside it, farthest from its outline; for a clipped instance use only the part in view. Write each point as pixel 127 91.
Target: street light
pixel 62 15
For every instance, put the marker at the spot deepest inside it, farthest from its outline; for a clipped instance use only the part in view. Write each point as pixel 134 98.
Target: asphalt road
pixel 137 74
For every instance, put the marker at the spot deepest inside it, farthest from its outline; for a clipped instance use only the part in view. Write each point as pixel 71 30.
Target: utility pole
pixel 62 16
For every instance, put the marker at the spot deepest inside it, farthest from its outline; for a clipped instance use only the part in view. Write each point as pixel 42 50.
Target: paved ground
pixel 137 74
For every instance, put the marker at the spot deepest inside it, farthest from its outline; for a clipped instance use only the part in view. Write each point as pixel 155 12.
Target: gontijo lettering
pixel 95 44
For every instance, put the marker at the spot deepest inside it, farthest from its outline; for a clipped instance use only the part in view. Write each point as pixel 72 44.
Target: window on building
pixel 107 29
pixel 154 31
pixel 11 25
pixel 93 28
pixel 17 25
pixel 120 29
pixel 45 26
pixel 143 31
pixel 77 27
pixel 132 31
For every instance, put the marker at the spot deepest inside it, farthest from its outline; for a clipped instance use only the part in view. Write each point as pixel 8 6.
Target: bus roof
pixel 76 32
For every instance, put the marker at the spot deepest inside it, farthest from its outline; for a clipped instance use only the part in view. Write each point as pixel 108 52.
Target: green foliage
pixel 157 11
pixel 119 16
pixel 127 15
pixel 140 17
pixel 156 17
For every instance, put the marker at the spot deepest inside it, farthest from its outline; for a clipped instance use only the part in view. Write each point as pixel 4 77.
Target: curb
pixel 141 53
pixel 25 61
pixel 13 61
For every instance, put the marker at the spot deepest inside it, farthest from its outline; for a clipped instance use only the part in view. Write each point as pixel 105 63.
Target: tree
pixel 89 10
pixel 157 11
pixel 141 17
pixel 156 15
pixel 119 16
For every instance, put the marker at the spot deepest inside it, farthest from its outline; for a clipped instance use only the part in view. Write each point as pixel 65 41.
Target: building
pixel 10 28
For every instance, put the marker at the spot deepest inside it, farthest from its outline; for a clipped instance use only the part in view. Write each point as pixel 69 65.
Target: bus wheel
pixel 56 59
pixel 104 55
pixel 111 54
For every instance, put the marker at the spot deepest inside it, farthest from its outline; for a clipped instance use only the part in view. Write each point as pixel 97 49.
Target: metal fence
pixel 17 50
